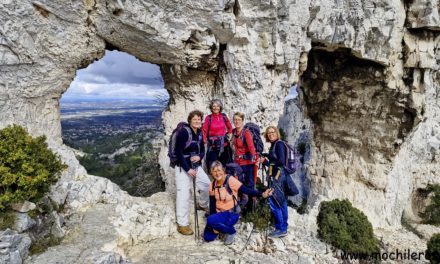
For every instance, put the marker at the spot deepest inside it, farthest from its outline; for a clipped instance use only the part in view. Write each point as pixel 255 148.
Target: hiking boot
pixel 278 233
pixel 206 209
pixel 229 239
pixel 185 230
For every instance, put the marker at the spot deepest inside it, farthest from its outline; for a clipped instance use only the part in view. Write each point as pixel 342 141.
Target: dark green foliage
pixel 41 245
pixel 27 166
pixel 300 209
pixel 301 147
pixel 282 134
pixel 262 215
pixel 431 214
pixel 346 228
pixel 111 144
pixel 7 219
pixel 406 224
pixel 433 251
pixel 151 182
pixel 125 166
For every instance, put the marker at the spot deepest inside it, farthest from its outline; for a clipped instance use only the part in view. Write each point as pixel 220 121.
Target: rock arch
pixel 248 54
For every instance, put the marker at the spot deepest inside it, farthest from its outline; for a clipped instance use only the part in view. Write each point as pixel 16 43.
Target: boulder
pixel 23 207
pixel 23 222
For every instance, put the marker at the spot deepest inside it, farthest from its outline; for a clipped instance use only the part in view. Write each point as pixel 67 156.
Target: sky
pixel 119 75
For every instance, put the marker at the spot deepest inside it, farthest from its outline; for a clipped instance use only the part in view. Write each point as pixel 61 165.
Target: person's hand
pixel 259 161
pixel 229 137
pixel 193 173
pixel 195 159
pixel 268 193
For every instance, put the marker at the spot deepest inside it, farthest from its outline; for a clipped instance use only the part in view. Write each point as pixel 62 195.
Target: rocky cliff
pixel 369 86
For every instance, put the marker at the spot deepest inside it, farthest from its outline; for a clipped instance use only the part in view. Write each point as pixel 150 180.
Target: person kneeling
pixel 223 204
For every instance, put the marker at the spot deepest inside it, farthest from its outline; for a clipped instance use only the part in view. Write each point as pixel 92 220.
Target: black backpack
pixel 235 170
pixel 173 138
pixel 256 138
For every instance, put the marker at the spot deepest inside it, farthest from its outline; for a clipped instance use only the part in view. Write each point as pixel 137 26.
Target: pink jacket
pixel 217 126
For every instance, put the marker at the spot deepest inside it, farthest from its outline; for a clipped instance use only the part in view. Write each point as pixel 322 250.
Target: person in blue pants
pixel 223 204
pixel 276 160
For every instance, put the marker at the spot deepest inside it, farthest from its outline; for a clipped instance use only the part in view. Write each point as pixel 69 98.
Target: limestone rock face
pixel 298 131
pixel 369 85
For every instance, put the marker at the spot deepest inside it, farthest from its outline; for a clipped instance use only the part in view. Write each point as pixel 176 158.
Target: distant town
pixel 116 139
pixel 83 122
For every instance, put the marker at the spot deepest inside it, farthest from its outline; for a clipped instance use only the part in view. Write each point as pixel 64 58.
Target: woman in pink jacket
pixel 217 131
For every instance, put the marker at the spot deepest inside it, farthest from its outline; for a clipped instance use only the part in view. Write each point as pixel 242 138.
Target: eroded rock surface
pixel 369 69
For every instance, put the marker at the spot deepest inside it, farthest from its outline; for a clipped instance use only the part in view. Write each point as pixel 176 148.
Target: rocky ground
pixel 87 232
pixel 143 230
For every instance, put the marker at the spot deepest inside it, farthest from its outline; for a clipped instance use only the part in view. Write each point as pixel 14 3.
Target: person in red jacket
pixel 245 155
pixel 217 130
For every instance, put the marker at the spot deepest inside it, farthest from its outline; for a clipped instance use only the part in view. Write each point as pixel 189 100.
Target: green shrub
pixel 300 209
pixel 262 217
pixel 27 166
pixel 431 214
pixel 301 147
pixel 406 224
pixel 282 134
pixel 346 228
pixel 42 244
pixel 7 219
pixel 433 251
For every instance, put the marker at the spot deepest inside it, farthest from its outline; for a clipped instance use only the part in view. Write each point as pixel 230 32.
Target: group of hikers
pixel 234 179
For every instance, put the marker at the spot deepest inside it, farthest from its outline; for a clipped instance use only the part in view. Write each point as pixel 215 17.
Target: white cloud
pixel 116 75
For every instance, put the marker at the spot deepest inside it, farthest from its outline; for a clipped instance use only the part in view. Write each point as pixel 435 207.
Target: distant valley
pixel 116 139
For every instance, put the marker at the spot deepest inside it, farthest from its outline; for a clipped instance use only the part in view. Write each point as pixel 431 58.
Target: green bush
pixel 301 209
pixel 27 166
pixel 433 251
pixel 301 147
pixel 42 244
pixel 431 214
pixel 346 228
pixel 262 217
pixel 282 134
pixel 406 224
pixel 7 219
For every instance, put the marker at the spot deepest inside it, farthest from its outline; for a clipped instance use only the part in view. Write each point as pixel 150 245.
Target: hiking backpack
pixel 256 137
pixel 235 170
pixel 291 158
pixel 237 202
pixel 173 139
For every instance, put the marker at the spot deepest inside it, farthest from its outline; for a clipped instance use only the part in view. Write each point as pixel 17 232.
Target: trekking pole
pixel 196 220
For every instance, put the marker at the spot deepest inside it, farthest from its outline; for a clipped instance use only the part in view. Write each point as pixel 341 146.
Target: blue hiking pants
pixel 279 213
pixel 248 170
pixel 222 222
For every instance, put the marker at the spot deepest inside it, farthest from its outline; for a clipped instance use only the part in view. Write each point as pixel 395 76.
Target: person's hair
pixel 276 131
pixel 241 115
pixel 195 113
pixel 216 164
pixel 217 101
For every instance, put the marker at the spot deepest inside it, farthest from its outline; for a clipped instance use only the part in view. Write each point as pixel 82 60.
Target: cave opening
pixel 111 119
